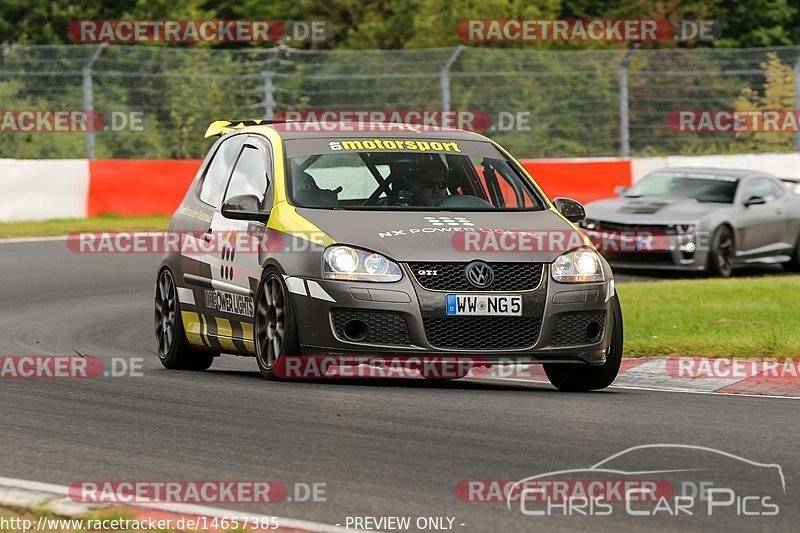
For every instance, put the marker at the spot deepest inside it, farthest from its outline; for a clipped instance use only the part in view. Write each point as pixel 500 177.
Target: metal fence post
pixel 444 77
pixel 88 99
pixel 796 71
pixel 624 126
pixel 268 89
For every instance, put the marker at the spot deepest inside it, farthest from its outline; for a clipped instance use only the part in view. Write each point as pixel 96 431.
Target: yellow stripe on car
pixel 192 327
pixel 286 219
pixel 225 333
pixel 220 127
pixel 247 333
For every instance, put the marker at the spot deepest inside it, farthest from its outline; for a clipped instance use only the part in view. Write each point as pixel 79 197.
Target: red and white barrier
pixel 781 165
pixel 51 189
pixel 43 189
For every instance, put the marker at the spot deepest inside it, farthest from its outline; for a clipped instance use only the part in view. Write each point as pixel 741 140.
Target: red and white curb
pixel 654 373
pixel 39 497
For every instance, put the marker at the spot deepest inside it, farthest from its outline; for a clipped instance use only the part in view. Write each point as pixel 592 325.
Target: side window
pixel 216 176
pixel 778 189
pixel 504 186
pixel 760 187
pixel 250 174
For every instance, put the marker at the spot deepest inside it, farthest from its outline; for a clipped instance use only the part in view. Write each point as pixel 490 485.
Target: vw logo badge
pixel 479 274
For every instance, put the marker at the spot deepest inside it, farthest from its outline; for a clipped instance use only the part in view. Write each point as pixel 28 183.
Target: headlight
pixel 683 228
pixel 344 262
pixel 580 266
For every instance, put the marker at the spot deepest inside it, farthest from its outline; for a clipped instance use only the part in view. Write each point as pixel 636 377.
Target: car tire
pixel 722 253
pixel 575 378
pixel 174 351
pixel 794 264
pixel 274 327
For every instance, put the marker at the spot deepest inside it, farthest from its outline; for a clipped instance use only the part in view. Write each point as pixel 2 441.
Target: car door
pixel 193 220
pixel 761 226
pixel 235 257
pixel 787 207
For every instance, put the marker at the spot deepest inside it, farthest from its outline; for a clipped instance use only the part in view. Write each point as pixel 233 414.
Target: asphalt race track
pixel 394 448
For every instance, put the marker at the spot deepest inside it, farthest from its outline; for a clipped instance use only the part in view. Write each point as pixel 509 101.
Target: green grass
pixel 47 228
pixel 736 317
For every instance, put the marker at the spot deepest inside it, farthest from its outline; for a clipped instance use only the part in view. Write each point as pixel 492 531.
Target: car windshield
pixel 439 179
pixel 700 187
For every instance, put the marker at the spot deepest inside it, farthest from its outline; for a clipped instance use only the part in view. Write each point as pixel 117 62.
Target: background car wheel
pixel 575 378
pixel 275 331
pixel 722 253
pixel 173 350
pixel 794 264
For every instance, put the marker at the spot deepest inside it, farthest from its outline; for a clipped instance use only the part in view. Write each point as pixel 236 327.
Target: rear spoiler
pixel 220 127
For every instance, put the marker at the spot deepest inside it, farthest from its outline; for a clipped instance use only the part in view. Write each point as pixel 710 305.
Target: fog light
pixel 689 247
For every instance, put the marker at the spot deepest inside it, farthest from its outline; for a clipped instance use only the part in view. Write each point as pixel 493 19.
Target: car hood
pixel 653 210
pixel 439 236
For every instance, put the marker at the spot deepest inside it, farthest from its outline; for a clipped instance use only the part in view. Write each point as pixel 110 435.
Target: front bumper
pixel 411 321
pixel 644 250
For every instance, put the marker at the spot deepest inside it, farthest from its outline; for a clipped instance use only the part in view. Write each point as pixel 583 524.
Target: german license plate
pixel 484 305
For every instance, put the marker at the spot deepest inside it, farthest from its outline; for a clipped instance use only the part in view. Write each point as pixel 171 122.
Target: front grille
pixel 657 229
pixel 482 332
pixel 451 276
pixel 570 328
pixel 384 327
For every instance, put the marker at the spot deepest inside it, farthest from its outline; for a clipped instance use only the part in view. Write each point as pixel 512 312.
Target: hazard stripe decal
pixel 225 333
pixel 192 327
pixel 247 335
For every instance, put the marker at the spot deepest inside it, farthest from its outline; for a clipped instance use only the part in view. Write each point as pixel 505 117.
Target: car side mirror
pixel 571 209
pixel 244 207
pixel 755 200
pixel 620 190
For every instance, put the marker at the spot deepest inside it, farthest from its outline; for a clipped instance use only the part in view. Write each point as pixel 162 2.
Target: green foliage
pixel 778 94
pixel 368 24
pixel 573 99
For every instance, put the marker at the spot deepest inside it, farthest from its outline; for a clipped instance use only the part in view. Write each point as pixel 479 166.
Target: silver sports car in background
pixel 699 219
pixel 792 183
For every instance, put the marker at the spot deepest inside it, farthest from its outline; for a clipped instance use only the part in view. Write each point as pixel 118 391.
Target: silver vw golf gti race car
pixel 379 242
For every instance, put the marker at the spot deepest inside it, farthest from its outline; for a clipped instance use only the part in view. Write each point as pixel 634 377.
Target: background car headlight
pixel 683 228
pixel 580 266
pixel 344 262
